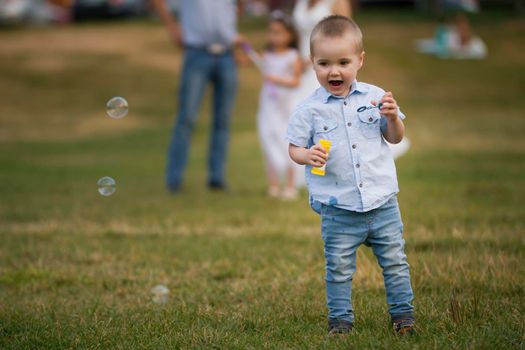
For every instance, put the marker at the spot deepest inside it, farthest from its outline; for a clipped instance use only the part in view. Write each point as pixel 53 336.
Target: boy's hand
pixel 316 156
pixel 389 106
pixel 395 129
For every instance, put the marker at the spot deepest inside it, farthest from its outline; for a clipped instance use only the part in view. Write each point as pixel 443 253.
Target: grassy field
pixel 246 272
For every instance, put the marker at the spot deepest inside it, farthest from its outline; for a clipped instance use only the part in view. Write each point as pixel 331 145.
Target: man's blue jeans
pixel 343 232
pixel 200 68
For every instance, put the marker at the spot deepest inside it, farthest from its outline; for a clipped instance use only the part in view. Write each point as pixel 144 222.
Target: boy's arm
pixel 314 156
pixel 395 129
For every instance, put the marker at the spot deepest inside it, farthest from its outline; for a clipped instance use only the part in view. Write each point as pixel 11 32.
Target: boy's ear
pixel 312 59
pixel 361 59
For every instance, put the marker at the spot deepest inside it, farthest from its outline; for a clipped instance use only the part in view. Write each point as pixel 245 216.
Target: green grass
pixel 246 272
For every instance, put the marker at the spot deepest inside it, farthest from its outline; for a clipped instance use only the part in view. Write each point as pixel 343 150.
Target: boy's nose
pixel 334 72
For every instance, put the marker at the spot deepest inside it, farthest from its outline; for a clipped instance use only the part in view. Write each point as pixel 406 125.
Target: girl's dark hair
pixel 287 22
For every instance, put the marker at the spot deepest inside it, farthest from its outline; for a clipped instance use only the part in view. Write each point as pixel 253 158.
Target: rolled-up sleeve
pixel 300 129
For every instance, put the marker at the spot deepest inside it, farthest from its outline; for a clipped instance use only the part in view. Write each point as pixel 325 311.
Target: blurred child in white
pixel 454 37
pixel 280 64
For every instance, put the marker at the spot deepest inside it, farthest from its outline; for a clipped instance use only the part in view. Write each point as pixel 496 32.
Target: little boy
pixel 357 196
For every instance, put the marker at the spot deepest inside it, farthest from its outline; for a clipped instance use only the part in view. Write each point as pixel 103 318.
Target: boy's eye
pixel 345 62
pixel 322 63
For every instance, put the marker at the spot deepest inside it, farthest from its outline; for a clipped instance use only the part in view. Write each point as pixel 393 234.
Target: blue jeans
pixel 343 232
pixel 200 68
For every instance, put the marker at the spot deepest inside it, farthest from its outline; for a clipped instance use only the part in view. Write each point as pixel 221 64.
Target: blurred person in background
pixel 281 68
pixel 453 37
pixel 35 12
pixel 306 14
pixel 207 32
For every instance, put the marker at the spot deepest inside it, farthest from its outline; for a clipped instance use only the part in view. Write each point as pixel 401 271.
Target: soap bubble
pixel 117 107
pixel 160 294
pixel 106 186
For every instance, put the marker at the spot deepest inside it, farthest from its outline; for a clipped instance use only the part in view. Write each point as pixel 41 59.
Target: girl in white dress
pixel 306 14
pixel 281 68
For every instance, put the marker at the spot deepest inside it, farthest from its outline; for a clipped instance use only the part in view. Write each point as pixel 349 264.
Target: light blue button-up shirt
pixel 207 22
pixel 360 171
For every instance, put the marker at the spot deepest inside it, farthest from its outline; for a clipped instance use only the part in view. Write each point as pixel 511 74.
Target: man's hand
pixel 240 40
pixel 239 54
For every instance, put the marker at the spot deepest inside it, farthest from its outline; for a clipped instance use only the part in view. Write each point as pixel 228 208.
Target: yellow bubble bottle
pixel 322 170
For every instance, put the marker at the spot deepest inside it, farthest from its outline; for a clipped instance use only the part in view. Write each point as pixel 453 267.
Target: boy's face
pixel 336 62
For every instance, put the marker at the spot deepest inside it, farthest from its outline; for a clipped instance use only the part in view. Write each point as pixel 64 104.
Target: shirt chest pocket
pixel 325 129
pixel 370 123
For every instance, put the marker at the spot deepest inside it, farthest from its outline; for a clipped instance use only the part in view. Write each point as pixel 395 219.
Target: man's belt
pixel 214 49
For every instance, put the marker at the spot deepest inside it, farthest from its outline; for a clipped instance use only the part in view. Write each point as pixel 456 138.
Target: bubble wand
pixel 253 55
pixel 364 108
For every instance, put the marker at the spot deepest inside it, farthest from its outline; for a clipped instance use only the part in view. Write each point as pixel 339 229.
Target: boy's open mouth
pixel 335 83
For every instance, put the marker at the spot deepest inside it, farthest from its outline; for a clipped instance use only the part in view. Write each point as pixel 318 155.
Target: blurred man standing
pixel 207 31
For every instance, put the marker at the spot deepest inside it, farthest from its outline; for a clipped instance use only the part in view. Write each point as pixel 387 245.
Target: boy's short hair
pixel 334 26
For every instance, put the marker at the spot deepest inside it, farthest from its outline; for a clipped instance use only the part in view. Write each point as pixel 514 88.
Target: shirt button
pixel 361 184
pixel 349 124
pixel 354 146
pixel 345 103
pixel 357 165
pixel 370 119
pixel 325 128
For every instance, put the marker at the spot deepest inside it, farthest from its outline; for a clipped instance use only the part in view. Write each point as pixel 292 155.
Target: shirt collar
pixel 355 87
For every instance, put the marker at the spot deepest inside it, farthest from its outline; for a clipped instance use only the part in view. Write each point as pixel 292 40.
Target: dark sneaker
pixel 218 186
pixel 173 189
pixel 339 327
pixel 404 326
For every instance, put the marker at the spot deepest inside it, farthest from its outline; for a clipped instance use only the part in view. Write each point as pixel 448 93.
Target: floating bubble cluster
pixel 117 107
